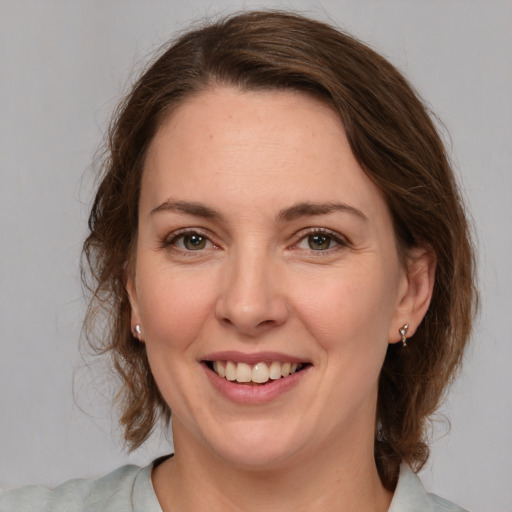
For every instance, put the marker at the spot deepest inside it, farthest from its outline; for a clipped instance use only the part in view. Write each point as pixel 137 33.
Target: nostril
pixel 249 313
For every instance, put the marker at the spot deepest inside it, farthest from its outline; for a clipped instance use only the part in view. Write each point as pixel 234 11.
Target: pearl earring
pixel 403 333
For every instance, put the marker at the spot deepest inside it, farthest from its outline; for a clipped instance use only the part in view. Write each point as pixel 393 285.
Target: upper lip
pixel 252 358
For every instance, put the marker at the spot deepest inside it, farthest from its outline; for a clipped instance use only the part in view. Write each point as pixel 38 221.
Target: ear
pixel 134 305
pixel 415 294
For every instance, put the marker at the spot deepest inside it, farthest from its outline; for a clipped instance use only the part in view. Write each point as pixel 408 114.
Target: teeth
pixel 259 373
pixel 243 372
pixel 230 370
pixel 219 369
pixel 275 370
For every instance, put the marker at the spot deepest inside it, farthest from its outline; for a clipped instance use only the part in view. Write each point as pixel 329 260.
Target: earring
pixel 403 332
pixel 138 330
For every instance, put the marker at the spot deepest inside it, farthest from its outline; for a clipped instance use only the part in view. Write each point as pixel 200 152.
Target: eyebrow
pixel 307 209
pixel 296 211
pixel 189 207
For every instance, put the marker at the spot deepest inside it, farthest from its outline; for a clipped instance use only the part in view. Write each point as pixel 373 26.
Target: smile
pixel 259 373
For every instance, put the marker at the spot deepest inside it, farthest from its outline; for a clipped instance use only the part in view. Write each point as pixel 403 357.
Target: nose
pixel 252 300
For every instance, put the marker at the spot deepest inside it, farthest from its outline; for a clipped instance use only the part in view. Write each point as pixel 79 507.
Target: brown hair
pixel 395 142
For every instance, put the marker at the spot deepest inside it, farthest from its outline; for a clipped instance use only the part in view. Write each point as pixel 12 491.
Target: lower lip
pixel 257 393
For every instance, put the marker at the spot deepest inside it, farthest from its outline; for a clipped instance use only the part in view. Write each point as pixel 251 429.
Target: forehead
pixel 259 147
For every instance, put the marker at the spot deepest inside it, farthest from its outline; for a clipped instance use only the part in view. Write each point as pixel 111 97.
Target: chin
pixel 256 447
pixel 257 458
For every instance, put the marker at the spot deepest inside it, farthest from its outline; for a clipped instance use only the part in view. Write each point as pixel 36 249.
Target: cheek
pixel 173 306
pixel 174 310
pixel 350 308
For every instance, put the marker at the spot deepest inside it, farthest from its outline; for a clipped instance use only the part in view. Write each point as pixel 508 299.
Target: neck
pixel 330 480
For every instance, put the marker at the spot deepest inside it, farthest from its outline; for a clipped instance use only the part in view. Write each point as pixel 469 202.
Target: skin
pixel 255 284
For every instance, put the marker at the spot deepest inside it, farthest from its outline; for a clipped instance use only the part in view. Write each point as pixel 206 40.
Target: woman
pixel 282 256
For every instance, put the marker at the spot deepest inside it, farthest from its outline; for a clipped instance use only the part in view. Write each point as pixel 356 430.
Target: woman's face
pixel 261 240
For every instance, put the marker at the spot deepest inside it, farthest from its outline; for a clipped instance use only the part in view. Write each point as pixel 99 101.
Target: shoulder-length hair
pixel 393 138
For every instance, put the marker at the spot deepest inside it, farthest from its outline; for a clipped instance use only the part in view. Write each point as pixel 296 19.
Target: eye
pixel 320 240
pixel 191 241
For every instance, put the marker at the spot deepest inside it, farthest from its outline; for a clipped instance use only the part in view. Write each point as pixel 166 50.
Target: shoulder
pixel 410 496
pixel 126 489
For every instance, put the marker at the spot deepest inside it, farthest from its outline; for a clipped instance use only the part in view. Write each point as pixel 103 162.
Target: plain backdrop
pixel 63 67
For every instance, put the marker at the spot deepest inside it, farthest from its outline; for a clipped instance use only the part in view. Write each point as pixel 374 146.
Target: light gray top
pixel 129 489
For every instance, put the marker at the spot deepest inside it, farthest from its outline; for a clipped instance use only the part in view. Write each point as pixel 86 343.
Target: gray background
pixel 63 67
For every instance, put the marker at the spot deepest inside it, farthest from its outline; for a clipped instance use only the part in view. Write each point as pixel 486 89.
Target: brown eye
pixel 194 242
pixel 191 242
pixel 319 242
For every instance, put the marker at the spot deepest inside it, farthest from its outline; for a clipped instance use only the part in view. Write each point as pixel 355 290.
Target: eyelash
pixel 340 241
pixel 171 240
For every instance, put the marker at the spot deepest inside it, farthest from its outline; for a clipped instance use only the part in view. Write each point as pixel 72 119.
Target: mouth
pixel 254 374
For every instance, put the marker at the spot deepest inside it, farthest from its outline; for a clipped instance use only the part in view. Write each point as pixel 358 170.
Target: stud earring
pixel 138 331
pixel 403 332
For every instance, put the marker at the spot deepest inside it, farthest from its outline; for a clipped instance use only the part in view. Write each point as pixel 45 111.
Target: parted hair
pixel 395 141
